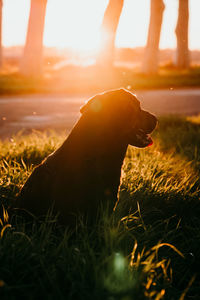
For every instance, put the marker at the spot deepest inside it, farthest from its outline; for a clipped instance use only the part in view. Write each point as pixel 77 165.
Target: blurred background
pixel 40 36
pixel 70 50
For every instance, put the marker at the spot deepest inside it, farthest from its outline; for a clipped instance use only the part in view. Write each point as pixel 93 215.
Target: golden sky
pixel 76 23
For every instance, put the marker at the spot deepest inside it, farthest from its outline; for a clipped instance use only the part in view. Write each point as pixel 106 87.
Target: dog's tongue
pixel 150 141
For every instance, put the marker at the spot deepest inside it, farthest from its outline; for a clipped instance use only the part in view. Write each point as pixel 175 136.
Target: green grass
pixel 148 248
pixel 74 79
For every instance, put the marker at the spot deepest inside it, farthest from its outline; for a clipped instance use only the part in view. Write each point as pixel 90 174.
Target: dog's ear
pixel 93 104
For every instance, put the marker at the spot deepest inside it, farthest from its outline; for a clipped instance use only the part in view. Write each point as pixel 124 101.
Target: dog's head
pixel 120 111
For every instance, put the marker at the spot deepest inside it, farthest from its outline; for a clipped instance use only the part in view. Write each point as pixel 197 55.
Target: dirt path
pixel 61 111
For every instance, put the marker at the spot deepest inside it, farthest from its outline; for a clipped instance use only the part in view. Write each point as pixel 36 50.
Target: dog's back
pixel 82 172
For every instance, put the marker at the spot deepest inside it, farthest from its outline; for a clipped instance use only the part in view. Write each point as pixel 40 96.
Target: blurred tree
pixel 1 47
pixel 31 63
pixel 108 32
pixel 182 53
pixel 150 62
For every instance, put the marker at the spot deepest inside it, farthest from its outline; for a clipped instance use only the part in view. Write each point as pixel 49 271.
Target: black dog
pixel 86 169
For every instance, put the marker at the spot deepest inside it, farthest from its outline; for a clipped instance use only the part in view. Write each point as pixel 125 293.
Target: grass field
pixel 148 248
pixel 74 79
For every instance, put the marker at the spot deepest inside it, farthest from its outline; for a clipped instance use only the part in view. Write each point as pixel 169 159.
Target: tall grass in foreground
pixel 147 249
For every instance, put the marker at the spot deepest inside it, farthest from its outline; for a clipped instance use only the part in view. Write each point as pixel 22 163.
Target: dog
pixel 85 171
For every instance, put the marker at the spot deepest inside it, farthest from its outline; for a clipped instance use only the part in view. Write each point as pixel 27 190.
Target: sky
pixel 76 23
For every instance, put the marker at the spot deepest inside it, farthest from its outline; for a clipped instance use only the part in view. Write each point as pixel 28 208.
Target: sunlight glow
pixel 76 24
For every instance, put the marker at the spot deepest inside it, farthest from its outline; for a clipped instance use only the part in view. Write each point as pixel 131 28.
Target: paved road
pixel 61 111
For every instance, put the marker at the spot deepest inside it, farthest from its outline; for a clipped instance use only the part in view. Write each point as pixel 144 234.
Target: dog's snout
pixel 149 121
pixel 154 121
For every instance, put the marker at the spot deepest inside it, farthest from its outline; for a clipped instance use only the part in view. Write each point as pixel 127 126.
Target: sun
pixel 74 25
pixel 86 44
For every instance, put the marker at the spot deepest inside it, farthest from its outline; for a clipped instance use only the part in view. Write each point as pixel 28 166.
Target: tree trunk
pixel 150 63
pixel 1 47
pixel 32 59
pixel 108 32
pixel 182 53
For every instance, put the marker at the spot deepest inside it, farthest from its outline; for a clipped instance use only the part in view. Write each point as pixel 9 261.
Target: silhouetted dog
pixel 86 169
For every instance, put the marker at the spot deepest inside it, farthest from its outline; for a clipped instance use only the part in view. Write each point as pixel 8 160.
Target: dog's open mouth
pixel 143 139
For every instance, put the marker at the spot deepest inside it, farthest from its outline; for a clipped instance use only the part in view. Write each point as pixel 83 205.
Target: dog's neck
pixel 94 152
pixel 93 140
